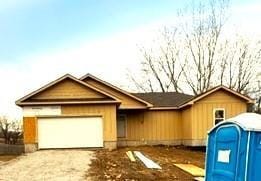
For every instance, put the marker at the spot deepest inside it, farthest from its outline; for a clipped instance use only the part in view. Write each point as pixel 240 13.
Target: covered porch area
pixel 148 127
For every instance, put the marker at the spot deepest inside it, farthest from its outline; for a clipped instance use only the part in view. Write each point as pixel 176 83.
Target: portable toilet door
pixel 234 149
pixel 225 150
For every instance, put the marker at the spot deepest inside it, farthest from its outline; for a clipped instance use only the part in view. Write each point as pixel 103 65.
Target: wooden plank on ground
pixel 131 156
pixel 147 162
pixel 192 169
pixel 199 178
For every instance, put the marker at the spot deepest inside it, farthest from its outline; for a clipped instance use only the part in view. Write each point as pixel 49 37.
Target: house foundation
pixel 29 148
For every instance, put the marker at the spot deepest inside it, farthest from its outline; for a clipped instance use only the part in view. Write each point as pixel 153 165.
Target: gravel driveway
pixel 48 165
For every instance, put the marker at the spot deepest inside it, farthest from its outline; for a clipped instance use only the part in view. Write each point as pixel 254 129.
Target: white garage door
pixel 75 132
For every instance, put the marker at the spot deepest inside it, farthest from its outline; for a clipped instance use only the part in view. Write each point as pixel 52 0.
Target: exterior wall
pixel 186 116
pixel 188 126
pixel 68 89
pixel 107 111
pixel 152 127
pixel 127 102
pixel 202 113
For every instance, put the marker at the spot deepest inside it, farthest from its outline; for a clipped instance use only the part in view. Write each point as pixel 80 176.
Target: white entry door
pixel 73 132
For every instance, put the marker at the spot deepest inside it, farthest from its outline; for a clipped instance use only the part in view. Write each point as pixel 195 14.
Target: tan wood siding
pixel 107 111
pixel 67 89
pixel 127 102
pixel 153 125
pixel 202 112
pixel 30 130
pixel 186 115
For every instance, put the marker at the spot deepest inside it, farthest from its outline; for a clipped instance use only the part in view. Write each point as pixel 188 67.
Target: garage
pixel 70 132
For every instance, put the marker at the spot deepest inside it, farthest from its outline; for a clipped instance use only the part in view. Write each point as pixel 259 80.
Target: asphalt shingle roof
pixel 164 99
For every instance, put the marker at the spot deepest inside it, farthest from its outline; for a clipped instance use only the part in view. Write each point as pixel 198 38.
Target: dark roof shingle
pixel 164 99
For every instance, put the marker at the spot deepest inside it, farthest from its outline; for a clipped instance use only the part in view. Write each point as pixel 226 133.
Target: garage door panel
pixel 70 132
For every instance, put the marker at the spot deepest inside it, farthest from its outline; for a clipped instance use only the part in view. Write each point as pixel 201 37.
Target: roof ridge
pixel 213 89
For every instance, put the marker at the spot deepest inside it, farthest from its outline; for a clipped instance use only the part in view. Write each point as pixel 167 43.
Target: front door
pixel 121 126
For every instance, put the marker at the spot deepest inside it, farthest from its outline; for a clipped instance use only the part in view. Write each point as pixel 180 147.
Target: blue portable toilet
pixel 234 149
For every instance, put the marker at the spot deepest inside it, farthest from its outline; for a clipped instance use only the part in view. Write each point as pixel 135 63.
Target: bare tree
pixel 255 92
pixel 202 35
pixel 4 125
pixel 239 60
pixel 197 55
pixel 161 65
pixel 187 53
pixel 11 130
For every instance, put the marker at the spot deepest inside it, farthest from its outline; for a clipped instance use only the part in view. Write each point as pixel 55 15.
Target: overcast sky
pixel 42 40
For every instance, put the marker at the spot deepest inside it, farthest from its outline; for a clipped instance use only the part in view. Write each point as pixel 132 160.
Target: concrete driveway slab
pixel 53 165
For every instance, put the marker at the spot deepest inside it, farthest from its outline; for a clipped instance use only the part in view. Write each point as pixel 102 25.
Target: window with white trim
pixel 219 115
pixel 121 126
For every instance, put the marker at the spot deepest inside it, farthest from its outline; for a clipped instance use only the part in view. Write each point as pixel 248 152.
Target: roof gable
pixel 67 88
pixel 215 89
pixel 127 100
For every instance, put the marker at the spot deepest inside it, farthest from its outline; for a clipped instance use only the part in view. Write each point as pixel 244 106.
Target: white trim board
pixel 147 162
pixel 42 111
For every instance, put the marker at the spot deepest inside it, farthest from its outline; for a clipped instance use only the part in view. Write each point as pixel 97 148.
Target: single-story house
pixel 89 112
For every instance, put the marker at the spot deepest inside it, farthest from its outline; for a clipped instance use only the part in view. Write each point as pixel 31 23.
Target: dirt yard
pixel 6 158
pixel 115 165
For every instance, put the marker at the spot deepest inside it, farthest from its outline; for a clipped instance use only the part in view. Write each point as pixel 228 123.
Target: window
pixel 121 126
pixel 219 115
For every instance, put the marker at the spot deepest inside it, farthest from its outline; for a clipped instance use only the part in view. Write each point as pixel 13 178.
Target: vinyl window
pixel 219 115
